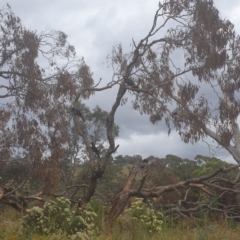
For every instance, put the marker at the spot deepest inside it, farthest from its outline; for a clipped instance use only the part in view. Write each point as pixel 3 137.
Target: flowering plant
pixel 144 214
pixel 58 215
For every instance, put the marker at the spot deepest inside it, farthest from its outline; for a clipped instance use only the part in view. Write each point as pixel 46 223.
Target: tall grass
pixel 126 229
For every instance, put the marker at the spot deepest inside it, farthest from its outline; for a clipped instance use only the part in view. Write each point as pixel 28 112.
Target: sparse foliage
pixel 42 79
pixel 197 48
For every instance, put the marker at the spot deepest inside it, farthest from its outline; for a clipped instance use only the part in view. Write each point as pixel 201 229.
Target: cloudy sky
pixel 93 27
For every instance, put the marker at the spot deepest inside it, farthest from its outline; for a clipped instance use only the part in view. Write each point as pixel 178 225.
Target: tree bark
pixel 122 198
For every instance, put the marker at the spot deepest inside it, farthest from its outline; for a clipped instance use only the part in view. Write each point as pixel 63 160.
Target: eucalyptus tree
pixel 42 86
pixel 185 72
pixel 186 69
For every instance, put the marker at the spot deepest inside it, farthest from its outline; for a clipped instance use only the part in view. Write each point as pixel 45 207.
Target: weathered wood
pixel 122 197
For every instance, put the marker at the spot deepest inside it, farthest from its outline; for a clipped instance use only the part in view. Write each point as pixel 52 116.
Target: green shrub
pixel 58 216
pixel 144 214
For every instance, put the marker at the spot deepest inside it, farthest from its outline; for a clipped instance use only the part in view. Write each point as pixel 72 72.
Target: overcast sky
pixel 93 27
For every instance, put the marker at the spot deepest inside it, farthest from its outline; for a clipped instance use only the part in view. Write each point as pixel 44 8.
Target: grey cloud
pixel 160 144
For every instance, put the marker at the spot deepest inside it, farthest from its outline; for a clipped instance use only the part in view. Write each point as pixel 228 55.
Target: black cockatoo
pixel 78 113
pixel 95 150
pixel 130 82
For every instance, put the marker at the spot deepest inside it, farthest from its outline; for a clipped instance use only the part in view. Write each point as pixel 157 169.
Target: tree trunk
pixel 90 191
pixel 122 197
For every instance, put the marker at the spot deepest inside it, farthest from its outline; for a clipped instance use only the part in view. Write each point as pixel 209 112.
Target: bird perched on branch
pixel 148 162
pixel 95 150
pixel 145 160
pixel 144 163
pixel 130 82
pixel 78 113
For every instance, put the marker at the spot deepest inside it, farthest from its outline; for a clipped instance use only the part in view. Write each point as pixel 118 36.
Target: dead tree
pixel 183 207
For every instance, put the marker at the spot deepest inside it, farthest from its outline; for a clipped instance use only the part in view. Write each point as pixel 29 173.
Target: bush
pixel 58 216
pixel 144 214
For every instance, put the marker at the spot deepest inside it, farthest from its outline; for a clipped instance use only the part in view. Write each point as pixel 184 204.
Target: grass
pixel 185 230
pixel 201 229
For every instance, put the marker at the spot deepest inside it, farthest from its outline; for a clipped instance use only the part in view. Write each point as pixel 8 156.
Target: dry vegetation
pixel 52 144
pixel 198 229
